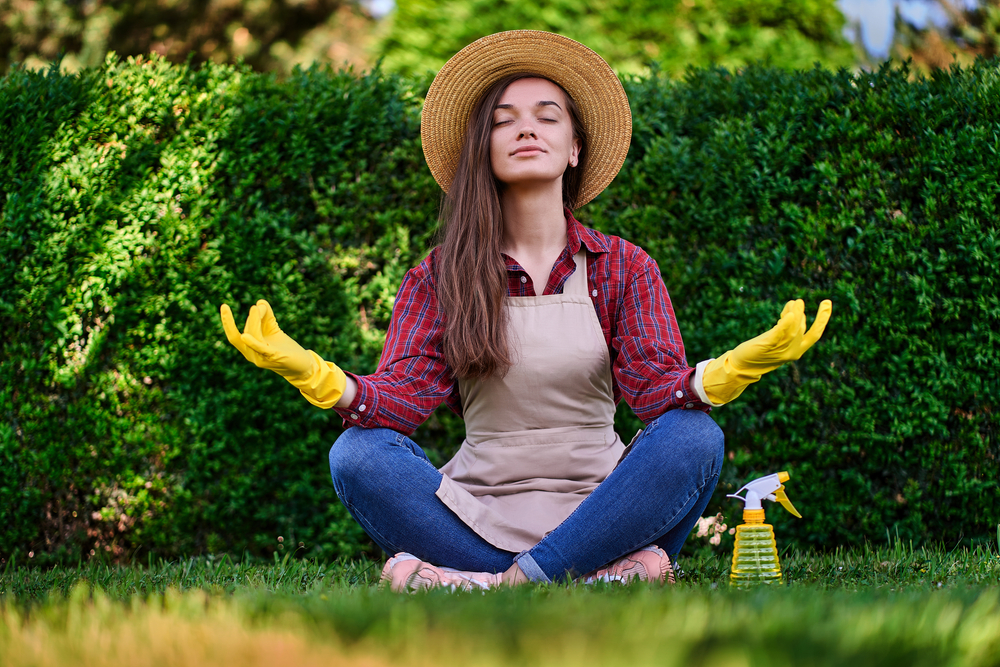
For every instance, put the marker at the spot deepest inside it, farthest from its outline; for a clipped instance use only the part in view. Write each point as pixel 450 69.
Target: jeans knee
pixel 693 435
pixel 712 438
pixel 708 439
pixel 349 455
pixel 361 456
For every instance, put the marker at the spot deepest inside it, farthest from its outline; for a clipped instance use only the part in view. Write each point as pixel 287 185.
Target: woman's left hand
pixel 725 378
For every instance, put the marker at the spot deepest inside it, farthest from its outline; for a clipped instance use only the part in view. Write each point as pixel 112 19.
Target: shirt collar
pixel 579 235
pixel 576 235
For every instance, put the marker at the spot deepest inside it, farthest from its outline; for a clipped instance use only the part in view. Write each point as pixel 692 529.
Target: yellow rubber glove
pixel 725 378
pixel 265 345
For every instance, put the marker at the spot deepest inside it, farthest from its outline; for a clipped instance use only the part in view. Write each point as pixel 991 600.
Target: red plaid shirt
pixel 647 355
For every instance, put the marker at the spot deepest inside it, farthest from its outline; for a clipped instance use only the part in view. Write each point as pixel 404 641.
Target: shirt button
pixel 354 416
pixel 688 406
pixel 680 394
pixel 361 408
pixel 523 280
pixel 594 293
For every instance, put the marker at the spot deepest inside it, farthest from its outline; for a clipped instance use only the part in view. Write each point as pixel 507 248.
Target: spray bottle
pixel 755 556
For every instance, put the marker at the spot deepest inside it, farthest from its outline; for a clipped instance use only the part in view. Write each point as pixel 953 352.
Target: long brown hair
pixel 471 272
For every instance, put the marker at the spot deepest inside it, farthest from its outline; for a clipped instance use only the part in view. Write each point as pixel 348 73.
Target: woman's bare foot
pixel 647 564
pixel 514 576
pixel 407 573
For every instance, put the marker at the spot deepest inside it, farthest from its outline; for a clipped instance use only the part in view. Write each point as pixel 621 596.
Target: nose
pixel 527 130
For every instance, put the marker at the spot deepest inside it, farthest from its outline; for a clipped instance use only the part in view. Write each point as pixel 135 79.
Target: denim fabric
pixel 654 496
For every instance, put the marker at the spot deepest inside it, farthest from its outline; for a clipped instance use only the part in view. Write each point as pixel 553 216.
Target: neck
pixel 534 221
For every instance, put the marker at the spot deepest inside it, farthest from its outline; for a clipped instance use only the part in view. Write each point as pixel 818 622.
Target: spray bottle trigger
pixel 785 502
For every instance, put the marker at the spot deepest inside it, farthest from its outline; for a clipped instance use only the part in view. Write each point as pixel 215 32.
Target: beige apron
pixel 542 438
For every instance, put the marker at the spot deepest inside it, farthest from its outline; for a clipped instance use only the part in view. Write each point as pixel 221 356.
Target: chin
pixel 531 178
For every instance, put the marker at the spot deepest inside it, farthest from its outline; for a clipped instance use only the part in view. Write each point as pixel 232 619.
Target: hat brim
pixel 589 80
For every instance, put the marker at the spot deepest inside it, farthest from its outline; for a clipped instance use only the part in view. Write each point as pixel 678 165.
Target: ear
pixel 574 154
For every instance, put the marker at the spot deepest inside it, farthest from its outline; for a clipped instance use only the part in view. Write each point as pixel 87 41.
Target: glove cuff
pixel 723 382
pixel 698 383
pixel 326 384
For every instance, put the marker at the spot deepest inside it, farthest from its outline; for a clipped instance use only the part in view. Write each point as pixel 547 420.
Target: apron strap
pixel 576 284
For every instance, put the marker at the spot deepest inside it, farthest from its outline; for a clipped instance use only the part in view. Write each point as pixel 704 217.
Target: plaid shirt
pixel 647 355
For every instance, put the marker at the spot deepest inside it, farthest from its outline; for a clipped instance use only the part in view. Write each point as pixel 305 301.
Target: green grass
pixel 868 606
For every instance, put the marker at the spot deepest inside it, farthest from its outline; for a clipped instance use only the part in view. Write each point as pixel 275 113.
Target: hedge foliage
pixel 139 196
pixel 136 199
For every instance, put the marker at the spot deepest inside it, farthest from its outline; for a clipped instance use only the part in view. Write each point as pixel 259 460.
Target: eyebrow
pixel 543 103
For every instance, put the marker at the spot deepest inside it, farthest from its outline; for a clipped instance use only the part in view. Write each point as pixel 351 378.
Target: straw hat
pixel 589 80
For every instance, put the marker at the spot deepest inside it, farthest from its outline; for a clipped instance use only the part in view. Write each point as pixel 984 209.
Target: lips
pixel 528 149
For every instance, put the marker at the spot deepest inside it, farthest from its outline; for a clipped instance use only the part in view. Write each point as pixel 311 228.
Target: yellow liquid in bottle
pixel 755 557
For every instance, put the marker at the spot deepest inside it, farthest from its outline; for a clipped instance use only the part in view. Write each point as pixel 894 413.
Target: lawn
pixel 869 606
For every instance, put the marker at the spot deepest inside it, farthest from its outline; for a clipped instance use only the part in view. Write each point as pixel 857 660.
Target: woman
pixel 531 327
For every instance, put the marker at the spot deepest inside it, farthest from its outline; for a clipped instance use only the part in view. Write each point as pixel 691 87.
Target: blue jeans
pixel 654 496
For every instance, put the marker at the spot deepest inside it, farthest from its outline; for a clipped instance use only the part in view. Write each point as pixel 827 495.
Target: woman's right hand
pixel 264 344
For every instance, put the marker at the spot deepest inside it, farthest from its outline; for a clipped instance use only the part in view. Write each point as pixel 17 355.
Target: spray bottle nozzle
pixel 771 488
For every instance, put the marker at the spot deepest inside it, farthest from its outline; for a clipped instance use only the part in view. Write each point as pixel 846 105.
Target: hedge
pixel 138 196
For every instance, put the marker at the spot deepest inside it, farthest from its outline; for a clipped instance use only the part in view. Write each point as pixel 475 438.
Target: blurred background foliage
pixel 419 35
pixel 969 33
pixel 266 34
pixel 630 33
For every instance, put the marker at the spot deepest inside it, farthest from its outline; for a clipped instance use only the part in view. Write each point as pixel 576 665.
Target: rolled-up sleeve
pixel 412 378
pixel 650 367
